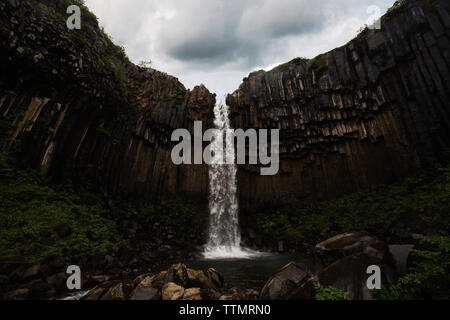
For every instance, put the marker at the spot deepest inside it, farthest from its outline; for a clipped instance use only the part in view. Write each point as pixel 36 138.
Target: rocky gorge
pixel 86 133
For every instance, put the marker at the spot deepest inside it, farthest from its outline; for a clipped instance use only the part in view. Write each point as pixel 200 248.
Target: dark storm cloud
pixel 218 42
pixel 231 30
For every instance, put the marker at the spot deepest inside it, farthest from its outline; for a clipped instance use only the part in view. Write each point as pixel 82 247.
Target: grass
pixel 31 212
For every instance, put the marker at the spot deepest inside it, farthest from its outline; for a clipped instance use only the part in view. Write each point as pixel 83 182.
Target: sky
pixel 219 42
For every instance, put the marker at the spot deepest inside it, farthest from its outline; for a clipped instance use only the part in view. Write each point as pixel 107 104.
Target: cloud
pixel 215 41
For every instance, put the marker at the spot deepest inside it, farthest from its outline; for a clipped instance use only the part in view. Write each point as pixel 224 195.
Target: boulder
pixel 285 282
pixel 177 273
pixel 192 294
pixel 399 254
pixel 115 292
pixel 210 294
pixel 19 294
pixel 350 274
pixel 32 272
pixel 57 281
pixel 190 278
pixel 37 289
pixel 205 279
pixel 172 291
pixel 145 293
pixel 342 245
pixel 97 292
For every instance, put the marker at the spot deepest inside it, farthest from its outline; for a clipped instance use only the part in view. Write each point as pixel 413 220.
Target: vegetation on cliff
pixel 429 275
pixel 417 205
pixel 37 222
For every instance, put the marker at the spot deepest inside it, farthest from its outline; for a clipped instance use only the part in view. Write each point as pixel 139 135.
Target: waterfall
pixel 224 235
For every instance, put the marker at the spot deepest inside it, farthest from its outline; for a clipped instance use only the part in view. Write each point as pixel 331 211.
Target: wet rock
pixel 285 281
pixel 172 291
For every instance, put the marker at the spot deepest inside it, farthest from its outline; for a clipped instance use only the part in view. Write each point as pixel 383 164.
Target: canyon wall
pixel 370 112
pixel 75 108
pixel 373 111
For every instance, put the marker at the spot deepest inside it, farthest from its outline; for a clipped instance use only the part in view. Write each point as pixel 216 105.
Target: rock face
pixel 370 112
pixel 84 113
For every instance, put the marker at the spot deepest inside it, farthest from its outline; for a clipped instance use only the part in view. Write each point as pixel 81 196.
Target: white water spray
pixel 224 235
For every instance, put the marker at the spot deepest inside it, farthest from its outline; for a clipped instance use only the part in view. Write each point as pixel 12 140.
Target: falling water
pixel 224 235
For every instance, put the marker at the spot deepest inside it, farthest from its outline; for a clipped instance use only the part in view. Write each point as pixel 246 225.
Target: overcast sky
pixel 219 42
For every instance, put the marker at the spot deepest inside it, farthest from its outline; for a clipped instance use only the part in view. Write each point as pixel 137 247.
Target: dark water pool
pixel 249 273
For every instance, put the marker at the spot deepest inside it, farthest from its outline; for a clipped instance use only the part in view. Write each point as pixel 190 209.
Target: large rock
pixel 32 272
pixel 205 279
pixel 342 245
pixel 350 274
pixel 172 291
pixel 190 278
pixel 399 254
pixel 192 294
pixel 19 294
pixel 145 293
pixel 115 292
pixel 285 282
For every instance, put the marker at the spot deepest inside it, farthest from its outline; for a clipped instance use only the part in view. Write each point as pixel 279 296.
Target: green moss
pixel 186 217
pixel 329 293
pixel 30 212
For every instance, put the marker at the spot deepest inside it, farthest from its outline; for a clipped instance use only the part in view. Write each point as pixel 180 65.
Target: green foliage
pixel 428 277
pixel 295 61
pixel 30 212
pixel 184 216
pixel 319 64
pixel 111 60
pixel 397 8
pixel 330 293
pixel 408 207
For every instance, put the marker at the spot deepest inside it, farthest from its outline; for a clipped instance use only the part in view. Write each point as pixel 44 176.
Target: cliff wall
pixel 370 112
pixel 74 107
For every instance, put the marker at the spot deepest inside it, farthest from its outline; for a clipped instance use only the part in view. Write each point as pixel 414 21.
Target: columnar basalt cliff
pixel 76 109
pixel 370 112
